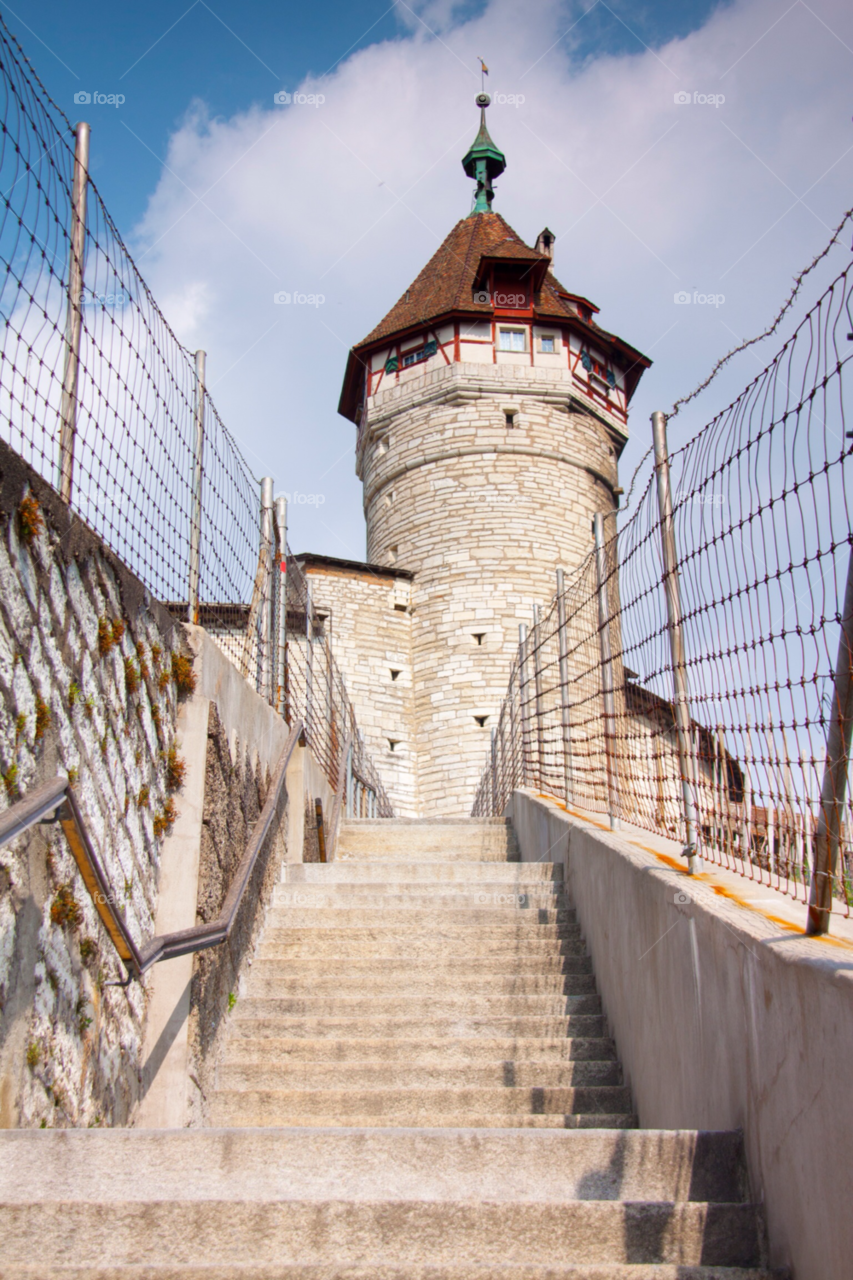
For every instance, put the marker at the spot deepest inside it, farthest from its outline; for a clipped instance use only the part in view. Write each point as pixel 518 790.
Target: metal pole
pixel 198 473
pixel 746 833
pixel 537 685
pixel 834 788
pixel 266 629
pixel 676 639
pixel 280 515
pixel 309 657
pixel 606 673
pixel 74 312
pixel 494 777
pixel 349 782
pixel 522 695
pixel 565 704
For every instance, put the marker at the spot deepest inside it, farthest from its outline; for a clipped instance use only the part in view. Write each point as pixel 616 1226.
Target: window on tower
pixel 548 344
pixel 512 340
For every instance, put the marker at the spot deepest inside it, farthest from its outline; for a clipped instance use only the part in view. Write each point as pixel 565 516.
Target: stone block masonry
pixel 368 621
pixel 482 481
pixel 86 689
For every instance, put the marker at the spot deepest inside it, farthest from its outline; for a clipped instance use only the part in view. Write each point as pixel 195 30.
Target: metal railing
pixel 694 676
pixel 58 795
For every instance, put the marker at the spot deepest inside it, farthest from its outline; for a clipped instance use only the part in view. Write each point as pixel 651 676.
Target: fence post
pixel 606 672
pixel 74 311
pixel 522 696
pixel 565 705
pixel 494 777
pixel 280 668
pixel 198 474
pixel 264 674
pixel 537 686
pixel 309 657
pixel 834 788
pixel 676 638
pixel 349 781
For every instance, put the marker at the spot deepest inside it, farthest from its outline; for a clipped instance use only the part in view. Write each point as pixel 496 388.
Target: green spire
pixel 483 161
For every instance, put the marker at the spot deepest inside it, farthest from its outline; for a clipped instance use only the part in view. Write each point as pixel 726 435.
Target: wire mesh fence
pixel 101 399
pixel 761 523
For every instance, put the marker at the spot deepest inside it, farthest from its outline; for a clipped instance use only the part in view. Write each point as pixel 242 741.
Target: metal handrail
pixel 339 794
pixel 59 794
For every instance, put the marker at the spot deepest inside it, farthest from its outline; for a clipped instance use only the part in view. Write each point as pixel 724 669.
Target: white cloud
pixel 646 197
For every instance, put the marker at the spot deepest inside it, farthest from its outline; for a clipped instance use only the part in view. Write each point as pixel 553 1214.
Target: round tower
pixel 491 411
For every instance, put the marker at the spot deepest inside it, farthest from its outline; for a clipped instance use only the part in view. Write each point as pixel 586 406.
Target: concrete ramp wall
pixel 723 1018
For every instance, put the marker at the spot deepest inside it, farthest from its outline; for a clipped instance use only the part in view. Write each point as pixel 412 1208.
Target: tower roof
pixel 447 287
pixel 483 148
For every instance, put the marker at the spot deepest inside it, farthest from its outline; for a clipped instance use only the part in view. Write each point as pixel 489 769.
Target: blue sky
pixel 163 56
pixel 226 198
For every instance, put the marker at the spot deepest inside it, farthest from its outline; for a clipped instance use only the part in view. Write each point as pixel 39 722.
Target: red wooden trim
pixel 456 352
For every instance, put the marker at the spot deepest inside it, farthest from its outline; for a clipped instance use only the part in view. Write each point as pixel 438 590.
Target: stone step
pixel 461 1027
pixel 404 1233
pixel 387 897
pixel 405 1075
pixel 437 922
pixel 372 1271
pixel 417 1007
pixel 274 977
pixel 250 1119
pixel 423 872
pixel 101 1166
pixel 404 1103
pixel 245 1047
pixel 434 968
pixel 548 942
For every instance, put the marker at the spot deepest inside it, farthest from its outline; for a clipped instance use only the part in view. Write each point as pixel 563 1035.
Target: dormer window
pixel 512 340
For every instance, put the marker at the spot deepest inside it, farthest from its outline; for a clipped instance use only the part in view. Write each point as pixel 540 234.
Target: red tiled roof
pixel 446 286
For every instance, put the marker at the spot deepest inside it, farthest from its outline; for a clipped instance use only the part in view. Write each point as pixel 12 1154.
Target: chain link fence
pixel 693 677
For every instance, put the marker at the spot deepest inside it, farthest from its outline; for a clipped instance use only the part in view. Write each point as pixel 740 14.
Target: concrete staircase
pixel 418 1085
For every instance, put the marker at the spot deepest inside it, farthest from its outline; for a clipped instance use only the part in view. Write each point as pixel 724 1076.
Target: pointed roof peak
pixel 483 161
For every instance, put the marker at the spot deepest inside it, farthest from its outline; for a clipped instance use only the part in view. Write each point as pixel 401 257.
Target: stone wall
pixel 483 513
pixel 86 689
pixel 724 1017
pixel 369 623
pixel 235 788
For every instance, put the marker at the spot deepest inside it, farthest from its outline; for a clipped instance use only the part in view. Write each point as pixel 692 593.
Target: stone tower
pixel 491 411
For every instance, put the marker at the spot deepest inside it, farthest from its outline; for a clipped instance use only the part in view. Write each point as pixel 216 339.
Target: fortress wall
pixel 370 628
pixel 86 690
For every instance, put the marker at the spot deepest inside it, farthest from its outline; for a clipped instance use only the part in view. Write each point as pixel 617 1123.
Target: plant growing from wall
pixel 73 694
pixel 165 817
pixel 42 717
pixel 30 519
pixel 65 910
pixel 183 675
pixel 131 676
pixel 176 769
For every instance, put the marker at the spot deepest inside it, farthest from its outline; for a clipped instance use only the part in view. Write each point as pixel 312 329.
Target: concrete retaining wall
pixel 723 1019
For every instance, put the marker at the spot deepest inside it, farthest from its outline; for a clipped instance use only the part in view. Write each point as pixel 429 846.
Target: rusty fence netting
pixel 101 399
pixel 693 676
